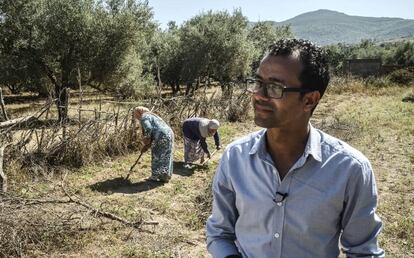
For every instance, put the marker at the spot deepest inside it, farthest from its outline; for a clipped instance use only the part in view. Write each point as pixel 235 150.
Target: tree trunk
pixel 3 106
pixel 198 81
pixel 189 88
pixel 173 89
pixel 80 97
pixel 159 82
pixel 62 98
pixel 62 91
pixel 177 87
pixel 3 177
pixel 63 94
pixel 159 74
pixel 226 89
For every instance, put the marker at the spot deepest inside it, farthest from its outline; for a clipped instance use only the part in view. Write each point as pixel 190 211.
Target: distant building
pixel 363 67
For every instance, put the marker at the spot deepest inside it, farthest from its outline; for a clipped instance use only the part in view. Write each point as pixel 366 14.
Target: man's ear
pixel 311 99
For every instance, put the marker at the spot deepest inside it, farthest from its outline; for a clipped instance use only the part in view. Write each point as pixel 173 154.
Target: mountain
pixel 329 27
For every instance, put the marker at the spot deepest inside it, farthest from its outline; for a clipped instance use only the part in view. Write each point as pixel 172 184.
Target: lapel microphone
pixel 280 197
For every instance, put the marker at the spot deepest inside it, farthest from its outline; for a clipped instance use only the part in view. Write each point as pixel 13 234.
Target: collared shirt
pixel 328 197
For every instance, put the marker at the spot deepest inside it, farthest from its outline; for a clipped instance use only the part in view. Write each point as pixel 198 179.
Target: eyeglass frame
pixel 264 85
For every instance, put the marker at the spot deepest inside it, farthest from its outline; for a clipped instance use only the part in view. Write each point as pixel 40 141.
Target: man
pixel 195 131
pixel 291 190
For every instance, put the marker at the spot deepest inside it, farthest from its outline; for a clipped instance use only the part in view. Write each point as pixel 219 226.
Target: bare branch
pixel 108 215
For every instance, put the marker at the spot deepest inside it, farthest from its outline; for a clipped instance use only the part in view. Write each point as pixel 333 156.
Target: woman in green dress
pixel 160 137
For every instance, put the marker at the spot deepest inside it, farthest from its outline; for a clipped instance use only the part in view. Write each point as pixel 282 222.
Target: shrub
pixel 401 76
pixel 377 82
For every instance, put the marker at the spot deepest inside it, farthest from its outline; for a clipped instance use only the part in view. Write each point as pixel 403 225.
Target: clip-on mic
pixel 280 197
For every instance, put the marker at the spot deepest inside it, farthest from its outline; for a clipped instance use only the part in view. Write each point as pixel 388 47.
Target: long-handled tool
pixel 136 162
pixel 211 155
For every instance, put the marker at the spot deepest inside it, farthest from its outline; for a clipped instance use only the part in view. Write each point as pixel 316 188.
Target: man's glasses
pixel 272 90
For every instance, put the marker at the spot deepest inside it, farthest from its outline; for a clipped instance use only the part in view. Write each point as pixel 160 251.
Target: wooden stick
pixel 211 155
pixel 136 162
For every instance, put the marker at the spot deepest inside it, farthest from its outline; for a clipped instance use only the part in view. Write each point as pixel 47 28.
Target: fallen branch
pixel 29 201
pixel 11 124
pixel 18 121
pixel 76 200
pixel 137 224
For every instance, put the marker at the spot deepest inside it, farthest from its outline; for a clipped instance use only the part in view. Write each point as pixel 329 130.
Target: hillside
pixel 329 27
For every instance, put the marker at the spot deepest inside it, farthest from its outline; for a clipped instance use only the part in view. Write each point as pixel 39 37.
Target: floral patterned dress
pixel 162 144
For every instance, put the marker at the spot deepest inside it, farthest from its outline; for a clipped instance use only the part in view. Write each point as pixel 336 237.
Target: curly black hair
pixel 315 73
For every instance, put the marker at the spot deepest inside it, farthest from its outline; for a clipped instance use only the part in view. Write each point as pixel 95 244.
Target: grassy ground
pixel 375 121
pixel 382 126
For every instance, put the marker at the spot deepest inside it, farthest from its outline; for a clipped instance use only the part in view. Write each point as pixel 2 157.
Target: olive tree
pixel 102 41
pixel 215 45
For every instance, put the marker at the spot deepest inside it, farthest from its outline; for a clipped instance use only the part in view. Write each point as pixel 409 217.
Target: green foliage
pixel 166 49
pixel 127 81
pixel 215 45
pixel 125 32
pixel 103 41
pixel 17 69
pixel 263 34
pixel 114 46
pixel 393 53
pixel 404 54
pixel 401 76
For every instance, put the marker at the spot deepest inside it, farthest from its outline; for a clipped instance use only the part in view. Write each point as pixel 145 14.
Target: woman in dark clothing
pixel 195 131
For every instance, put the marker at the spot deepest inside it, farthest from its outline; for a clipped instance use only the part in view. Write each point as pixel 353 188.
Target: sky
pixel 278 10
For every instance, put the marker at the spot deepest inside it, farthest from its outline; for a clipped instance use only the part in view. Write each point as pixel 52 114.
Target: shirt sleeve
pixel 221 223
pixel 204 145
pixel 146 127
pixel 361 226
pixel 217 138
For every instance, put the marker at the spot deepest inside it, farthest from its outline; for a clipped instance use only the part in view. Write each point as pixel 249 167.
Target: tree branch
pixel 137 224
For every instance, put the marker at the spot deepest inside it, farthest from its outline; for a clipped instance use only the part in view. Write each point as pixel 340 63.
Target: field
pixel 171 216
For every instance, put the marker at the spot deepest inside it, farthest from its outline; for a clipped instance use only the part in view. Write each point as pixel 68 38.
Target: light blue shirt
pixel 331 198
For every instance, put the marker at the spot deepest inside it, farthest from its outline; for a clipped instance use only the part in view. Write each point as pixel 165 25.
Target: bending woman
pixel 159 136
pixel 195 131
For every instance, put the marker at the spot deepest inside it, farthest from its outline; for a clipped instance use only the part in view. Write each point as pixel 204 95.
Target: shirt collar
pixel 260 142
pixel 313 146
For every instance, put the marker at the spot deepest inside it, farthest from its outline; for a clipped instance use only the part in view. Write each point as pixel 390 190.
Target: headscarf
pixel 213 124
pixel 141 109
pixel 206 124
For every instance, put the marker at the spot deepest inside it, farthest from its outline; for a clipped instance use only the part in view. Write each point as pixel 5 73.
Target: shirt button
pixel 279 204
pixel 277 235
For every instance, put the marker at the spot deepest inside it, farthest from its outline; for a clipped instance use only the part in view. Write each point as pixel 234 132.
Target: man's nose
pixel 260 95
